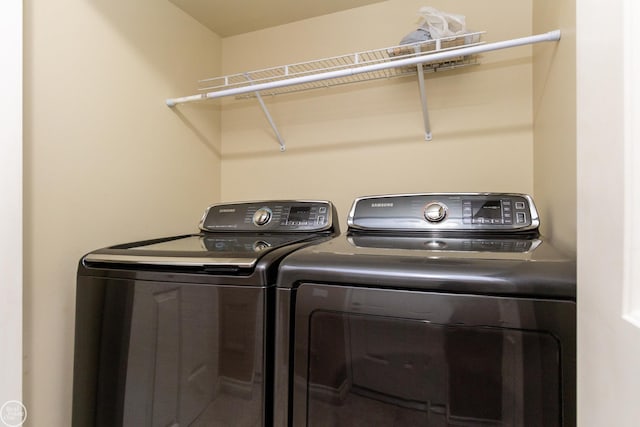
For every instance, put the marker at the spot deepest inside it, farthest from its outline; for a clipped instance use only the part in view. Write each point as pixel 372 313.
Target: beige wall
pixel 104 155
pixel 554 116
pixel 368 138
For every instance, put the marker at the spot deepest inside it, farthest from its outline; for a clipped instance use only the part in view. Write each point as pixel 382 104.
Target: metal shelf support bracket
pixel 423 98
pixel 265 110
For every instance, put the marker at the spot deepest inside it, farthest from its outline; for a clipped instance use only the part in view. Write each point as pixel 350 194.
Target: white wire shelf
pixel 395 61
pixel 350 61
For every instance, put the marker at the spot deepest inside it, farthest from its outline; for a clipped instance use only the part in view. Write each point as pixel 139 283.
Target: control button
pixel 521 218
pixel 519 205
pixel 262 216
pixel 321 219
pixel 435 212
pixel 322 209
pixel 508 219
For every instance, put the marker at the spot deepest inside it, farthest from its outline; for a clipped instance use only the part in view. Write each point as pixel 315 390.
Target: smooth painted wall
pixel 554 118
pixel 368 138
pixel 105 160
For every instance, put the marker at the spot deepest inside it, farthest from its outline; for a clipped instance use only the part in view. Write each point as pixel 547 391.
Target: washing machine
pixel 432 310
pixel 179 331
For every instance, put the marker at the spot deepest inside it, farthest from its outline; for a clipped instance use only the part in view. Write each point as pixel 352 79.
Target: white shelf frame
pixel 433 55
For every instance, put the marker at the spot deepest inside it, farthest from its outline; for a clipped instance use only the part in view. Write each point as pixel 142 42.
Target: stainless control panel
pixel 481 212
pixel 269 216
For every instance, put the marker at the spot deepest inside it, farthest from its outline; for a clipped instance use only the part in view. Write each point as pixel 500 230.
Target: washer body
pixel 179 330
pixel 456 314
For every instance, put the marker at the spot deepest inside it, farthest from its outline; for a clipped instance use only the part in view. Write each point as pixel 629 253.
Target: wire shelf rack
pixel 352 61
pixel 395 61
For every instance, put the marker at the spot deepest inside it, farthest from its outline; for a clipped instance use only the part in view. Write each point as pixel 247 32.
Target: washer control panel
pixel 473 212
pixel 270 216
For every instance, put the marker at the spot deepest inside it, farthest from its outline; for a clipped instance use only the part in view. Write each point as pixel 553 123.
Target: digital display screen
pixel 299 213
pixel 487 209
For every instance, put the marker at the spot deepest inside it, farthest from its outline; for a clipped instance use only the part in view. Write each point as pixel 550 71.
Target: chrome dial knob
pixel 435 212
pixel 262 216
pixel 260 245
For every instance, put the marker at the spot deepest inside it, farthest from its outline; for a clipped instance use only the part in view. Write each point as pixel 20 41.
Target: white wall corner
pixel 11 213
pixel 631 298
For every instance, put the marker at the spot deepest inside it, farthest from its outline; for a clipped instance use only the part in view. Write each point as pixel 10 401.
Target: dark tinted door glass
pixel 194 354
pixel 172 354
pixel 367 370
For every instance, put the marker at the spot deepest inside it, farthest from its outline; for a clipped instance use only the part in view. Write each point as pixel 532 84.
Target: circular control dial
pixel 262 216
pixel 260 245
pixel 435 212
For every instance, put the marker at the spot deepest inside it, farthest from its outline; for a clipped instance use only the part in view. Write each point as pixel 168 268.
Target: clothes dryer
pixel 179 330
pixel 432 310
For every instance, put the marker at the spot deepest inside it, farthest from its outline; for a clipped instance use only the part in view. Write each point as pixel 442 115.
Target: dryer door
pixel 366 356
pixel 150 353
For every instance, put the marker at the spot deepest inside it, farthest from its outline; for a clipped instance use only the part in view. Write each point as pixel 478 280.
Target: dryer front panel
pixel 365 356
pixel 151 353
